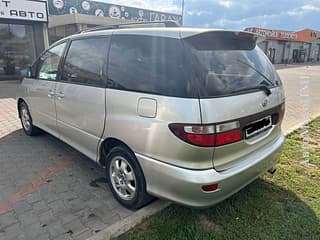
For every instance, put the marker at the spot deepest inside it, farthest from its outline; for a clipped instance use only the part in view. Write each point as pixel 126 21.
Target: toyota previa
pixel 186 114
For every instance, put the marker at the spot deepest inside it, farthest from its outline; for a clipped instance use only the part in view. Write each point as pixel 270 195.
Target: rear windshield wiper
pixel 261 87
pixel 257 71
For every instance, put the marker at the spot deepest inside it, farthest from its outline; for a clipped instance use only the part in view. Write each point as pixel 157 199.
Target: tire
pixel 125 178
pixel 26 120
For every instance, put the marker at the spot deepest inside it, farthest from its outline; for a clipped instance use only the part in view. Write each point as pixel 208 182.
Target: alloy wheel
pixel 122 178
pixel 25 117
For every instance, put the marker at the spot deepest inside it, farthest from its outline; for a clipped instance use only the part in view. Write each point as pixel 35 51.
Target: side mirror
pixel 26 72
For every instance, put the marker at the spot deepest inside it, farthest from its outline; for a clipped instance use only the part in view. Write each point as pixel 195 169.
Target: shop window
pixel 271 54
pixel 17 49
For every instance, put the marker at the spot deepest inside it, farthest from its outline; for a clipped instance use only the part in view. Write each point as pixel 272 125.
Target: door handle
pixel 72 75
pixel 60 95
pixel 51 94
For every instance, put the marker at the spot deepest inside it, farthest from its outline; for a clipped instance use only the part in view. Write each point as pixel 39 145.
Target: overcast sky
pixel 238 14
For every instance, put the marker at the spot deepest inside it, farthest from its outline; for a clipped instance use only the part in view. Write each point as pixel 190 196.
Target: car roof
pixel 171 32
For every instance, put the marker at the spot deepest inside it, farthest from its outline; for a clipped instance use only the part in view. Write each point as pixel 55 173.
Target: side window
pixel 148 64
pixel 48 63
pixel 85 61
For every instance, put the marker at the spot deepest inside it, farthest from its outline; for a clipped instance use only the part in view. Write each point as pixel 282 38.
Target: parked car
pixel 186 114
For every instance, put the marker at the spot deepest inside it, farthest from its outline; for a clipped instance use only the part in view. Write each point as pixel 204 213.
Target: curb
pixel 124 225
pixel 280 66
pixel 131 221
pixel 299 125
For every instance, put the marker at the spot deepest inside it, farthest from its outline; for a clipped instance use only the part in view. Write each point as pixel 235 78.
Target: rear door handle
pixel 51 94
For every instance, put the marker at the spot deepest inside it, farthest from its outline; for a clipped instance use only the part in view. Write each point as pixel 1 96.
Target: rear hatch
pixel 240 93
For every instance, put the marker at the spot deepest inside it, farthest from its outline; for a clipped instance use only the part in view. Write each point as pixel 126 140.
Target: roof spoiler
pixel 259 37
pixel 222 40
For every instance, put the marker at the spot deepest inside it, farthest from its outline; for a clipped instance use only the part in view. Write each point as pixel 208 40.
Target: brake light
pixel 208 135
pixel 228 137
pixel 201 140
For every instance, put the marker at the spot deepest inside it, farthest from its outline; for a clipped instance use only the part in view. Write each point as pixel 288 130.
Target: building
pixel 23 35
pixel 27 27
pixel 288 46
pixel 70 16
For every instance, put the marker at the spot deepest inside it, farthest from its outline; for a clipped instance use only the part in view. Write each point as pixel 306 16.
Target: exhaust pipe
pixel 272 170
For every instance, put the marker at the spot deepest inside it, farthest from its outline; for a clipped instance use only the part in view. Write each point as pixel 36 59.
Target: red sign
pixel 274 34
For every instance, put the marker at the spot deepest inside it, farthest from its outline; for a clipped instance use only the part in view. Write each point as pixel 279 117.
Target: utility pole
pixel 182 12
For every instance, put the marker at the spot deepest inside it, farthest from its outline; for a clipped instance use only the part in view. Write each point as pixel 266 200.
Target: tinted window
pixel 226 63
pixel 148 64
pixel 48 63
pixel 85 61
pixel 223 40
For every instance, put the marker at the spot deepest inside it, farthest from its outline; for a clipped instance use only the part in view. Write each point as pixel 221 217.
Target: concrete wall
pixel 277 45
pixel 315 50
pixel 284 50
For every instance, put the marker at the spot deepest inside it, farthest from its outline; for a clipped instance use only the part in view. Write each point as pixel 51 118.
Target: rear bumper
pixel 184 185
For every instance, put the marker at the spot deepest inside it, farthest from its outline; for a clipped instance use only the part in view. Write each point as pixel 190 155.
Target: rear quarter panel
pixel 151 136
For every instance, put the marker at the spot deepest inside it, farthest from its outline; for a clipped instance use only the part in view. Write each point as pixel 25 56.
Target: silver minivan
pixel 186 114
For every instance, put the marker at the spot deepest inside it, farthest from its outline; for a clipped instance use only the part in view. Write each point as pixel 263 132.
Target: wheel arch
pixel 143 196
pixel 107 145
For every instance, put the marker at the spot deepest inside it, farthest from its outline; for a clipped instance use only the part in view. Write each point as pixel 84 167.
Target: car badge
pixel 265 102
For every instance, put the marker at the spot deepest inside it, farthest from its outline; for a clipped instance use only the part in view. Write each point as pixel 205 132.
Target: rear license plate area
pixel 257 127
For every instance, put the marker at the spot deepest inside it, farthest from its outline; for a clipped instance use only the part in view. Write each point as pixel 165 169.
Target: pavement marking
pixel 34 184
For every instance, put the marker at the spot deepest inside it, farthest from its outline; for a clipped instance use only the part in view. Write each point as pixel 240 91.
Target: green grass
pixel 283 206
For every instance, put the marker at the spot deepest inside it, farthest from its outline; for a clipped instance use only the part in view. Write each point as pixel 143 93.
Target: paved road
pixel 50 191
pixel 47 189
pixel 302 89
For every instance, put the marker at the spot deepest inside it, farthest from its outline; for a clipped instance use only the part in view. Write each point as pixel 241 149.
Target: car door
pixel 80 94
pixel 41 89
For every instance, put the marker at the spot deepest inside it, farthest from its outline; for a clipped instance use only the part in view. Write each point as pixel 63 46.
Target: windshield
pixel 229 70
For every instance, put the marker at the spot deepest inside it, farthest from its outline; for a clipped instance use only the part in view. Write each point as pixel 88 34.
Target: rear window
pixel 225 63
pixel 149 64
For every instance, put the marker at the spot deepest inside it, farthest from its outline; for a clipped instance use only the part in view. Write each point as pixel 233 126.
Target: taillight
pixel 278 117
pixel 228 137
pixel 208 135
pixel 228 133
pixel 282 111
pixel 199 135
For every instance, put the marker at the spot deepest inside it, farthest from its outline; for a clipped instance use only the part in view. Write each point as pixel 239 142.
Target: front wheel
pixel 125 178
pixel 26 120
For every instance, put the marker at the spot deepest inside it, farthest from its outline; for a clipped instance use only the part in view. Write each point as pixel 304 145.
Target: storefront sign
pixel 267 33
pixel 274 34
pixel 60 7
pixel 27 10
pixel 288 35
